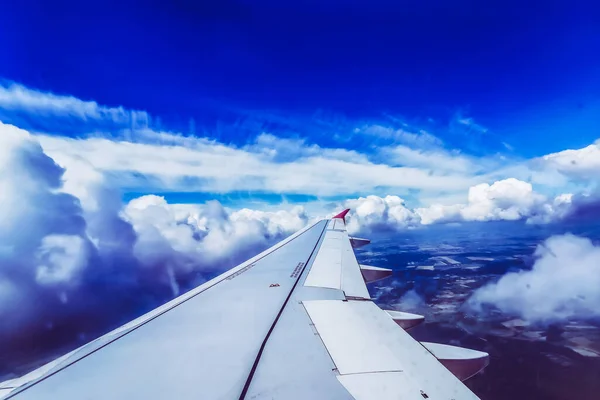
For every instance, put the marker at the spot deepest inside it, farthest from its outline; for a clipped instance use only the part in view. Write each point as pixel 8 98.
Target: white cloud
pixel 288 149
pixel 60 258
pixel 439 213
pixel 562 284
pixel 276 223
pixel 197 236
pixel 20 98
pixel 214 167
pixel 435 159
pixel 470 123
pixel 509 199
pixel 505 200
pixel 533 171
pixel 30 179
pixel 577 164
pixel 421 139
pixel 374 212
pixel 42 230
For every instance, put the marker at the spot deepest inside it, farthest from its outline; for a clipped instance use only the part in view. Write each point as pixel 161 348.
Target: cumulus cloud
pixel 42 230
pixel 509 199
pixel 379 213
pixel 196 237
pixel 33 212
pixel 579 164
pixel 562 284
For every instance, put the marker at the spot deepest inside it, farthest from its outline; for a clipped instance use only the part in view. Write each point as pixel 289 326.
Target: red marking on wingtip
pixel 342 215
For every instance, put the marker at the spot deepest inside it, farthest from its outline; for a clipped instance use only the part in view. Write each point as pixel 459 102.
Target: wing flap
pixel 346 330
pixel 362 339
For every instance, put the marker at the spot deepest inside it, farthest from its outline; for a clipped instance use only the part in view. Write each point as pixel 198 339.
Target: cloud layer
pixel 270 164
pixel 505 200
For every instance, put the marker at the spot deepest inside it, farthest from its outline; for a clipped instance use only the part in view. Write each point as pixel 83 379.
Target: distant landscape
pixel 437 272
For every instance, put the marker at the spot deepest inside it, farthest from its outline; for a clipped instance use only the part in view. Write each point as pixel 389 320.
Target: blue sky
pixel 494 86
pixel 527 72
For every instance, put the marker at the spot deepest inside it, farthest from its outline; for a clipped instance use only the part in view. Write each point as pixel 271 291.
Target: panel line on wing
pixel 264 343
pixel 316 331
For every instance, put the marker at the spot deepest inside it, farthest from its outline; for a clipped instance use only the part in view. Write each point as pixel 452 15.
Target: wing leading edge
pixel 294 322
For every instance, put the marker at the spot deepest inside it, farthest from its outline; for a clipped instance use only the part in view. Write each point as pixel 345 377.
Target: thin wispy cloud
pixel 419 139
pixel 16 97
pixel 264 166
pixel 471 124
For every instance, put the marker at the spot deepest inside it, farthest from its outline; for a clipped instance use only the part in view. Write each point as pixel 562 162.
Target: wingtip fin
pixel 342 215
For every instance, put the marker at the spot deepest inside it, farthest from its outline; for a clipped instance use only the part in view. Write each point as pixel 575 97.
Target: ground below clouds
pixel 436 274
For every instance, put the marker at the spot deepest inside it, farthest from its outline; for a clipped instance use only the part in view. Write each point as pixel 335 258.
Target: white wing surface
pixel 294 322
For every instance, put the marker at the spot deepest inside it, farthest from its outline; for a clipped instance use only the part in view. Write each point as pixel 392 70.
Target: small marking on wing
pixel 297 270
pixel 241 271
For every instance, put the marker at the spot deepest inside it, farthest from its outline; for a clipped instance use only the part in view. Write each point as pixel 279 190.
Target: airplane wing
pixel 294 322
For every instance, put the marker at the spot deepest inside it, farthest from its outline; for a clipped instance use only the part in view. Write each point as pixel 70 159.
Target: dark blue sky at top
pixel 529 71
